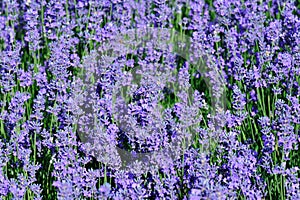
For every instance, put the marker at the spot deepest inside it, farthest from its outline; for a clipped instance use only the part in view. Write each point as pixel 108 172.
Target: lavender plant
pixel 242 110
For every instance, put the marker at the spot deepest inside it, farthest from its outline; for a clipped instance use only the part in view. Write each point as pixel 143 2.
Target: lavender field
pixel 148 99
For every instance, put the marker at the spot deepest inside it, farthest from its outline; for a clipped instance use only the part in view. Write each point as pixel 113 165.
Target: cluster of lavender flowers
pixel 247 151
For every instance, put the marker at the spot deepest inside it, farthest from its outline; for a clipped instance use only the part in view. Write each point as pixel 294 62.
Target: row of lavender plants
pixel 253 44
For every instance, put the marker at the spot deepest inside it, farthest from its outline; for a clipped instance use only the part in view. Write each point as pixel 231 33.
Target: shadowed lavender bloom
pixel 105 189
pixel 16 109
pixel 253 95
pixel 25 78
pixel 273 31
pixel 292 184
pixel 202 180
pixel 296 59
pixel 55 18
pixel 18 191
pixel 4 181
pixel 33 29
pixel 10 10
pixel 65 189
pixel 285 130
pixel 239 99
pixel 11 58
pixel 268 139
